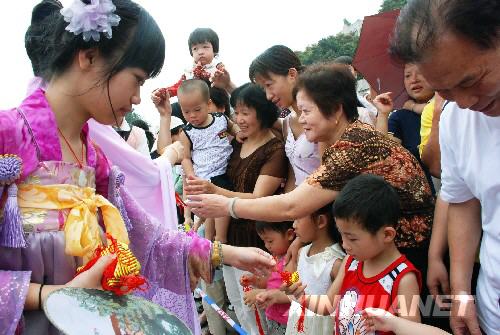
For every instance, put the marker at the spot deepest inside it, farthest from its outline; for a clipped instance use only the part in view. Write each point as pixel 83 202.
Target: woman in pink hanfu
pixel 59 192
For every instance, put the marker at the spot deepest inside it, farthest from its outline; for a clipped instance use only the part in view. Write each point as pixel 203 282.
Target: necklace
pixel 80 162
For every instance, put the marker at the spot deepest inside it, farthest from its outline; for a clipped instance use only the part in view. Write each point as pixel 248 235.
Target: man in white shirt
pixel 456 45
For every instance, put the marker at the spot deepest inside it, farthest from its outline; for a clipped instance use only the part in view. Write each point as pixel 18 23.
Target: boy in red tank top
pixel 375 274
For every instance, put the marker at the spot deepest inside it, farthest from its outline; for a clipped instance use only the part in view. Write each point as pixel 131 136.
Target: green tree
pixel 132 116
pixel 329 48
pixel 388 5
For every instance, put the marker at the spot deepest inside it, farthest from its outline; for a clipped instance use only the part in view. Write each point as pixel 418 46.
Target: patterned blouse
pixel 361 149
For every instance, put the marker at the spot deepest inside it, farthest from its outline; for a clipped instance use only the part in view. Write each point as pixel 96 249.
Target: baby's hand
pixel 249 297
pixel 296 289
pixel 161 100
pixel 266 298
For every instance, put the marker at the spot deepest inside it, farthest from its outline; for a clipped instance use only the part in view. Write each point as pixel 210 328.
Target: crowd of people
pixel 387 219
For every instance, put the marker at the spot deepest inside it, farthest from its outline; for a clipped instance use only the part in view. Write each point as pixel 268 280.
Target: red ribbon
pixel 300 323
pixel 179 201
pixel 245 282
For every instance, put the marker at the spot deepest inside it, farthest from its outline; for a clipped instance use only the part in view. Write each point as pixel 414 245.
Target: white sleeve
pixel 142 142
pixel 453 187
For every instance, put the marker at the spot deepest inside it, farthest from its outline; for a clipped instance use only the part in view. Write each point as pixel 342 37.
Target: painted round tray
pixel 76 311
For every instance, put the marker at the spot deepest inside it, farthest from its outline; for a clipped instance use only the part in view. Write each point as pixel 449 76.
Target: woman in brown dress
pixel 257 168
pixel 327 98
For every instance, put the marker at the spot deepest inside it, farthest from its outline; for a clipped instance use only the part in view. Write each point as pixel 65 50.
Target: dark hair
pixel 278 59
pixel 369 200
pixel 144 126
pixel 330 86
pixel 137 41
pixel 38 35
pixel 191 85
pixel 202 35
pixel 327 211
pixel 220 98
pixel 346 60
pixel 421 22
pixel 254 96
pixel 177 111
pixel 235 93
pixel 281 227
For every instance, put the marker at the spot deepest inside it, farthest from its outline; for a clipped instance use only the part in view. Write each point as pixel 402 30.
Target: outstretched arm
pixel 300 202
pixel 381 320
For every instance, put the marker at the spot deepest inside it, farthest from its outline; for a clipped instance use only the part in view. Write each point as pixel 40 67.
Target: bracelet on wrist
pixel 231 208
pixel 216 254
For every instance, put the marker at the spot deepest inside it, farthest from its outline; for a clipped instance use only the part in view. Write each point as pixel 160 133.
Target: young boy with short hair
pixel 375 273
pixel 206 145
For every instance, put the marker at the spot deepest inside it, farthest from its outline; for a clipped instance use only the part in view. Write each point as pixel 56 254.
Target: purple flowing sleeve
pixel 163 254
pixel 13 290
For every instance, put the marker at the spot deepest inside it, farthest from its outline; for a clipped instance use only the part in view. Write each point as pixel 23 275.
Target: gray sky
pixel 245 29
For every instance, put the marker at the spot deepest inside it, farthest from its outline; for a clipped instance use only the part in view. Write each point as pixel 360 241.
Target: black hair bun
pixel 44 9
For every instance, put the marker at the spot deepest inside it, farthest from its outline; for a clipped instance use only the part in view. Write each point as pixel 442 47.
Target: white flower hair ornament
pixel 91 19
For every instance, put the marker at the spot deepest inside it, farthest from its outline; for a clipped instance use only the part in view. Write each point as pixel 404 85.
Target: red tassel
pixel 127 277
pixel 245 281
pixel 259 324
pixel 300 323
pixel 179 201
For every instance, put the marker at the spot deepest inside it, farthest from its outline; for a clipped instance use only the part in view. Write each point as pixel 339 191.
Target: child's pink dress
pixel 277 314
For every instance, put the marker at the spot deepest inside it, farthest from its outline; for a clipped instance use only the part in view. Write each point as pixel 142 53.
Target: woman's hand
pixel 209 205
pixel 383 103
pixel 195 185
pixel 253 260
pixel 93 276
pixel 198 268
pixel 161 100
pixel 379 319
pixel 174 152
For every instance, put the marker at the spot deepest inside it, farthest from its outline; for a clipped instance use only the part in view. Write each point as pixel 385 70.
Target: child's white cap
pixel 175 122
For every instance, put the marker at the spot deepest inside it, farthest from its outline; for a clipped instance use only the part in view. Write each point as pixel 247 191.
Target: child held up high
pixel 204 48
pixel 375 274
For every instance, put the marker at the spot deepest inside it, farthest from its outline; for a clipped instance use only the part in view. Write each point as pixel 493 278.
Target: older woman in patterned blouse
pixel 326 97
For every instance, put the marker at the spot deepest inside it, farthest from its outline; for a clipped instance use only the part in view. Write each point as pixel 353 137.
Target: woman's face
pixel 278 88
pixel 415 84
pixel 317 128
pixel 117 95
pixel 246 119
